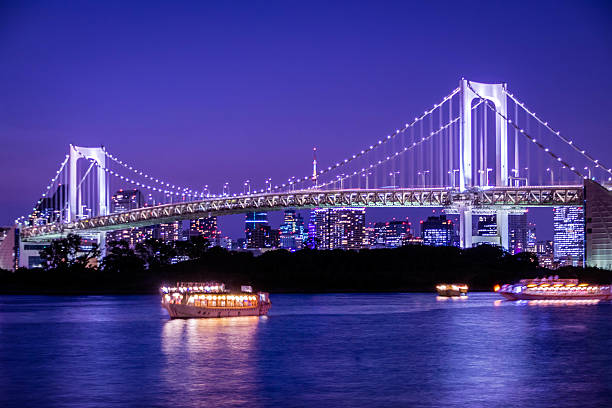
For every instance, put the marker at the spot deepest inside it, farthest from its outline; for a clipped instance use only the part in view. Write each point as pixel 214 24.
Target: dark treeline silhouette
pixel 145 268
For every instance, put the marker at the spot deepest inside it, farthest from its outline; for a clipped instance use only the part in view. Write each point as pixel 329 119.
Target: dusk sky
pixel 203 93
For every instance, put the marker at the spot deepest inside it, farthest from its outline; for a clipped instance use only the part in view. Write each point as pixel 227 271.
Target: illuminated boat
pixel 211 299
pixel 553 288
pixel 452 289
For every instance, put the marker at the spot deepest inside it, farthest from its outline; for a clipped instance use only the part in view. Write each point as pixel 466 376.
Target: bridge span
pixel 493 198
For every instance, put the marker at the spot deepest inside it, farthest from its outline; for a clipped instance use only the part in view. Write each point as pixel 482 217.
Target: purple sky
pixel 201 93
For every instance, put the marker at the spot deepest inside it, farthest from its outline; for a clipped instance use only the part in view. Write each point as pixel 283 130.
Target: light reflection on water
pixel 349 350
pixel 211 357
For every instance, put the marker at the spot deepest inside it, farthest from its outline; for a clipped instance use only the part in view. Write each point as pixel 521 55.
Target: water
pixel 339 350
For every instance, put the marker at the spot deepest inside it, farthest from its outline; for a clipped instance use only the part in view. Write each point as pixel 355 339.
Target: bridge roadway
pixel 493 197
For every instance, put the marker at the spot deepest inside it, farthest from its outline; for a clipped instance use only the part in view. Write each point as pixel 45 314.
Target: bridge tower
pixel 74 195
pixel 495 93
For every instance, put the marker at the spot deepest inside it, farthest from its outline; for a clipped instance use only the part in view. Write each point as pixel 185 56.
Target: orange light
pixel 496 288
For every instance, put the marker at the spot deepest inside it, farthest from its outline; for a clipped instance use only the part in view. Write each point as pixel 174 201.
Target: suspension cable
pixel 558 134
pixel 522 131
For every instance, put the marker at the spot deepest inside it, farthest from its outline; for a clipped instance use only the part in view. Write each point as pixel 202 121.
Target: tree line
pixel 143 269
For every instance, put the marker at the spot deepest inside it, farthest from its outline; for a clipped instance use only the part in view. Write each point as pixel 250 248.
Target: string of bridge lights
pixel 149 187
pixel 45 192
pixel 148 177
pixel 185 191
pixel 371 147
pixel 393 135
pixel 396 154
pixel 558 134
pixel 414 144
pixel 531 138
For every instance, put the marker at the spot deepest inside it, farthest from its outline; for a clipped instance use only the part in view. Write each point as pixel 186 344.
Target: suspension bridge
pixel 479 150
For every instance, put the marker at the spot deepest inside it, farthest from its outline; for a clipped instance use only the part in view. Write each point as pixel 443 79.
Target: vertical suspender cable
pixel 481 141
pixel 441 147
pixel 485 164
pixel 528 170
pixel 450 143
pixel 430 165
pixel 517 167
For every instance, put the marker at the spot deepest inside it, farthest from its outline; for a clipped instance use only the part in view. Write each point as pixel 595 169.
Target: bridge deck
pixel 509 197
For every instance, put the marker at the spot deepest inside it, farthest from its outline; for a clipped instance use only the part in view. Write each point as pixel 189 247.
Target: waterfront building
pixel 207 228
pixel 518 233
pixel 126 200
pixel 258 232
pixel 378 237
pixel 398 233
pixel 390 234
pixel 415 240
pixel 239 244
pixel 338 228
pixel 122 201
pixel 598 217
pixel 487 226
pixel 226 243
pixel 9 244
pixel 169 232
pixel 531 237
pixel 437 231
pixel 292 231
pixel 568 223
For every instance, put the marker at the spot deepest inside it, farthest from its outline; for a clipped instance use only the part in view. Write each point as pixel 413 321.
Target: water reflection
pixel 451 298
pixel 210 360
pixel 314 350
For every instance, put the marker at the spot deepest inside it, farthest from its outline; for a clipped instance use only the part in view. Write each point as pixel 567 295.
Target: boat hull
pixel 534 296
pixel 180 311
pixel 451 292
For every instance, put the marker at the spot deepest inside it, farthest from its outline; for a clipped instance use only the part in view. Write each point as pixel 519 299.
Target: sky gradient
pixel 203 93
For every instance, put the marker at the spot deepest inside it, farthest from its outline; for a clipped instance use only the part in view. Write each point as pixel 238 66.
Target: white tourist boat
pixel 553 288
pixel 212 300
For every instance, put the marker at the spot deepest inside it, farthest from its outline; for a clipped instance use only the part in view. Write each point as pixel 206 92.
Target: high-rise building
pixel 487 226
pixel 207 228
pixel 378 237
pixel 292 233
pixel 8 247
pixel 518 233
pixel 168 232
pixel 398 233
pixel 531 237
pixel 598 217
pixel 337 228
pixel 122 201
pixel 257 230
pixel 437 231
pixel 568 240
pixel 126 200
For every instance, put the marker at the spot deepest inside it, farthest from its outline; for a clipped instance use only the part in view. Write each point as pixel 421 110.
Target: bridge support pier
pixel 102 243
pixel 466 234
pixel 501 218
pixel 465 226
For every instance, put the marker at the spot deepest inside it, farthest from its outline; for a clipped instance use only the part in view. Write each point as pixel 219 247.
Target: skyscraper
pixel 207 228
pixel 292 231
pixel 518 233
pixel 122 201
pixel 126 200
pixel 257 230
pixel 568 240
pixel 437 231
pixel 338 228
